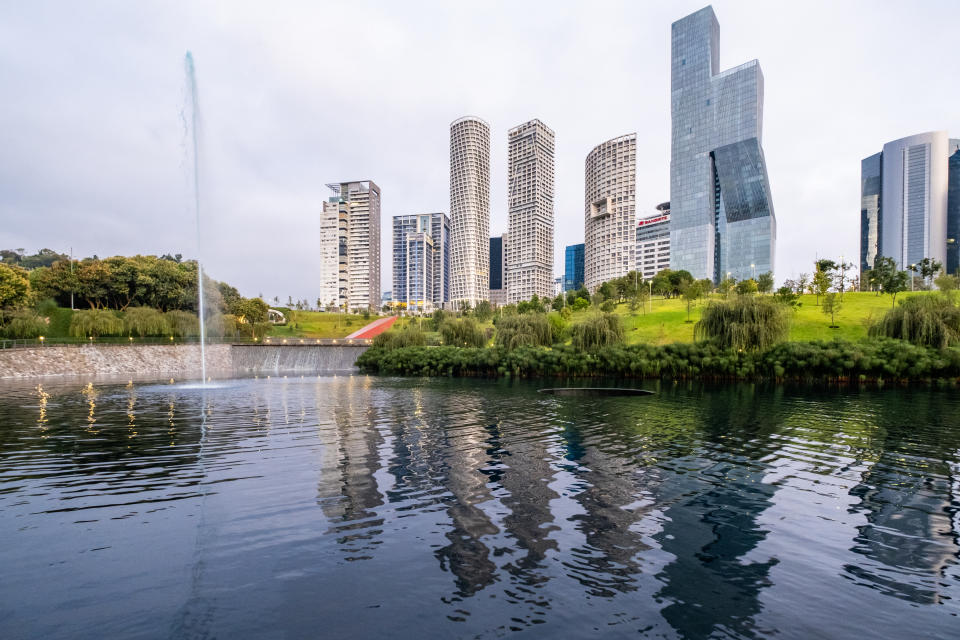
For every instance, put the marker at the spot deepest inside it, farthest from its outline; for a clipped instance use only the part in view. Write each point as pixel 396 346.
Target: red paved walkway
pixel 375 328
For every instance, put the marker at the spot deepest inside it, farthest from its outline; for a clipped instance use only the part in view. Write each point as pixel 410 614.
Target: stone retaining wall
pixel 124 359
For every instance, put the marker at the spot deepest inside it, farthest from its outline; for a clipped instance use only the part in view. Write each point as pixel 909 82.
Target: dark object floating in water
pixel 595 391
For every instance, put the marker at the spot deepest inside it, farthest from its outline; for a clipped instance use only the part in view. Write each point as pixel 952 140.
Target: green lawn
pixel 667 322
pixel 664 324
pixel 316 324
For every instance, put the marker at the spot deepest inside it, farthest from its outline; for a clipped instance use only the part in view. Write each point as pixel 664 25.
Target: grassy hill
pixel 665 323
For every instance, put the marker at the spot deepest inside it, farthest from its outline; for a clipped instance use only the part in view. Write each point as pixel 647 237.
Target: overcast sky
pixel 297 95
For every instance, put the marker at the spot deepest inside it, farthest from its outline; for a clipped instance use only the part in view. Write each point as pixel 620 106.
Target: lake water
pixel 359 507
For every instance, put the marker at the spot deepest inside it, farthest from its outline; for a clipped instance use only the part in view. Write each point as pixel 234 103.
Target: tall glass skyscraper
pixel 953 208
pixel 421 260
pixel 722 218
pixel 904 208
pixel 871 172
pixel 573 267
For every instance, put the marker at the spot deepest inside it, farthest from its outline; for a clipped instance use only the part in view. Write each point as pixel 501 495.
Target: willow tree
pixel 597 330
pixel 743 323
pixel 927 320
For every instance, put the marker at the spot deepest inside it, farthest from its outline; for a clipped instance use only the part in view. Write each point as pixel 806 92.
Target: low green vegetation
pixel 876 360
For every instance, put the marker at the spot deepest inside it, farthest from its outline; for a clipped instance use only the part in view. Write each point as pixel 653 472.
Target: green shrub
pixel 144 321
pixel 394 339
pixel 597 330
pixel 221 325
pixel 182 324
pixel 745 322
pixel 47 307
pixel 926 320
pixel 463 332
pixel 21 325
pixel 531 329
pixel 95 323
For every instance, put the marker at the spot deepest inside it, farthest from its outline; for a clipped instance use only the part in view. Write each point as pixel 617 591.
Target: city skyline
pixel 105 176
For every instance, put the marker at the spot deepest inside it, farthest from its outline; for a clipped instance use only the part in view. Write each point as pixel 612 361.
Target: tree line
pixel 33 287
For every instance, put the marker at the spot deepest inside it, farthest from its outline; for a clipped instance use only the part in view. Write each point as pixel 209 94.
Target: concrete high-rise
pixel 721 218
pixel 350 246
pixel 421 260
pixel 469 210
pixel 904 210
pixel 610 180
pixel 529 269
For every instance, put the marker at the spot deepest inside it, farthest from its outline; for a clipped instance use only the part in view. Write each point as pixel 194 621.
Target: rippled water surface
pixel 351 507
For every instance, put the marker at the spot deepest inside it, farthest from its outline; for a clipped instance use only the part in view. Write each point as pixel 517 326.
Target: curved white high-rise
pixel 469 210
pixel 610 213
pixel 913 210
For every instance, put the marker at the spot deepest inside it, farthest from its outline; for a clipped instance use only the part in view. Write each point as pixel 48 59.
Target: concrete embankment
pixel 173 360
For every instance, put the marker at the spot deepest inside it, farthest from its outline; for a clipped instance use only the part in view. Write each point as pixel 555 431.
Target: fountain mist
pixel 191 119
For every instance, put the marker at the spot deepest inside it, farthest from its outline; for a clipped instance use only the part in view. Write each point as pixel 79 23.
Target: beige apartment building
pixel 469 210
pixel 350 247
pixel 610 215
pixel 529 264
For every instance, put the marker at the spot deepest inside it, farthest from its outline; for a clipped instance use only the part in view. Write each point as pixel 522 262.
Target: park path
pixel 374 329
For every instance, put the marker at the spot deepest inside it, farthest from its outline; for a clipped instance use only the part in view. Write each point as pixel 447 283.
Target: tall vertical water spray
pixel 191 122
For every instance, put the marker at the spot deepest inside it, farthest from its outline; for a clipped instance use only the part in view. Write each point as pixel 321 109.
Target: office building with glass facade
pixel 871 170
pixel 722 220
pixel 904 210
pixel 653 242
pixel 421 261
pixel 953 208
pixel 573 267
pixel 498 262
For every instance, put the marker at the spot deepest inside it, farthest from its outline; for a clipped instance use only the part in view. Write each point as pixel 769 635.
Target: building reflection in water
pixel 613 492
pixel 347 488
pixel 910 502
pixel 712 524
pixel 464 457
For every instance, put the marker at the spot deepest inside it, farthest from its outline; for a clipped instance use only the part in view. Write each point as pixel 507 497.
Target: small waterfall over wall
pixel 294 359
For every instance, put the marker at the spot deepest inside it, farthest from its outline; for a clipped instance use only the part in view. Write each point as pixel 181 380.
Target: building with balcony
pixel 350 247
pixel 529 263
pixel 469 210
pixel 610 180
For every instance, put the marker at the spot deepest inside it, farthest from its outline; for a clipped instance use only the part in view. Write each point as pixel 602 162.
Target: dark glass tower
pixel 953 208
pixel 496 263
pixel 871 222
pixel 573 267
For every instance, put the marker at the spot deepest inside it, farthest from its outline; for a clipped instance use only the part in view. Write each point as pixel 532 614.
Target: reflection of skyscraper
pixel 712 524
pixel 910 538
pixel 347 488
pixel 721 210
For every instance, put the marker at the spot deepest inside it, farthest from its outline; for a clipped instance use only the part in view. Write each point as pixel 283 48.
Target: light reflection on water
pixel 351 506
